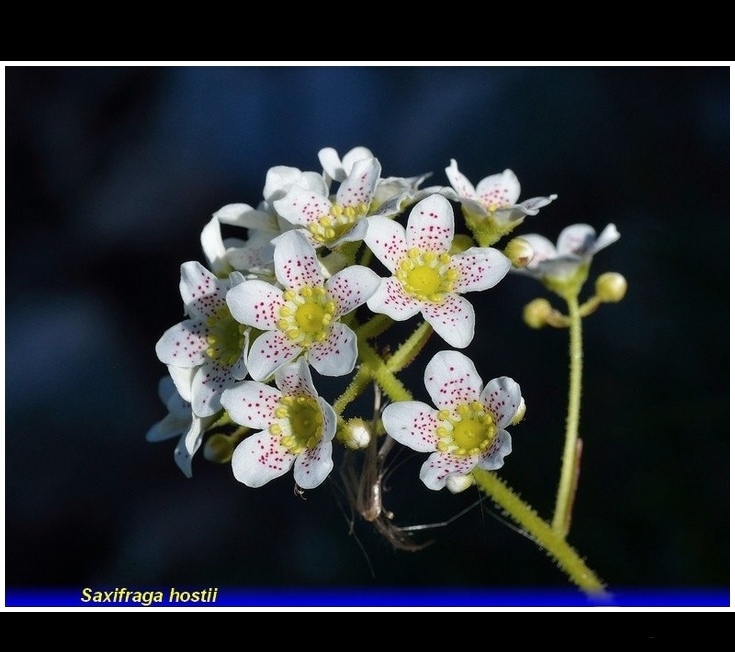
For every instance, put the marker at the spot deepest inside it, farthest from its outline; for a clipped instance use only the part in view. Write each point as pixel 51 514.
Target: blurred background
pixel 112 172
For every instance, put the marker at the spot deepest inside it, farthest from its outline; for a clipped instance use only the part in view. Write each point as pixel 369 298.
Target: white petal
pixel 190 443
pixel 203 293
pixel 356 233
pixel 577 239
pixel 459 181
pixel 387 240
pixel 391 299
pixel 451 379
pixel 167 428
pixel 359 186
pixel 430 225
pixel 532 206
pixel 543 249
pixel 268 352
pixel 492 458
pixel 453 319
pixel 183 345
pixel 302 207
pixel 209 382
pixel 246 216
pixel 295 379
pixel 337 355
pixel 260 458
pixel 214 247
pixel 175 404
pixel 607 237
pixel 480 268
pixel 251 404
pixel 499 190
pixel 281 178
pixel 313 465
pixel 354 155
pixel 255 303
pixel 331 164
pixel 296 263
pixel 183 458
pixel 329 427
pixel 182 378
pixel 413 424
pixel 439 466
pixel 351 287
pixel 502 396
pixel 254 254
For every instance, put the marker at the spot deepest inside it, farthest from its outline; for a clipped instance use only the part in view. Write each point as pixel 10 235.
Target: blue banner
pixel 211 596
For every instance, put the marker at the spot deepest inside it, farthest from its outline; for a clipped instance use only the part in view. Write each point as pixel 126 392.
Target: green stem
pixel 408 351
pixel 570 457
pixel 357 386
pixel 392 387
pixel 547 538
pixel 374 326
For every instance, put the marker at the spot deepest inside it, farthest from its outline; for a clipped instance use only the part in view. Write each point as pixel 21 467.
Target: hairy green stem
pixel 547 538
pixel 570 457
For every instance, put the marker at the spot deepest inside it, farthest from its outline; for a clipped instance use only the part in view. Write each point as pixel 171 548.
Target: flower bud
pixel 536 313
pixel 218 449
pixel 456 482
pixel 520 252
pixel 611 287
pixel 356 434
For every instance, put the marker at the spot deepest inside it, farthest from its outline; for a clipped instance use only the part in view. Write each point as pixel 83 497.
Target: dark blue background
pixel 111 173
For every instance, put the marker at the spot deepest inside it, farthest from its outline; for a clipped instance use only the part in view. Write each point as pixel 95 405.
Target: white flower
pixel 331 222
pixel 210 341
pixel 391 195
pixel 251 256
pixel 495 197
pixel 296 428
pixel 574 249
pixel 426 277
pixel 468 428
pixel 304 316
pixel 179 422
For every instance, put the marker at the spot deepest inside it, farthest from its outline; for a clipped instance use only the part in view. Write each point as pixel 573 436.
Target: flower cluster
pixel 300 297
pixel 327 260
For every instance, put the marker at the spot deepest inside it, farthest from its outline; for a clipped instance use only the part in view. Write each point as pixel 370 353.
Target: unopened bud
pixel 218 449
pixel 520 252
pixel 536 313
pixel 457 482
pixel 356 434
pixel 611 287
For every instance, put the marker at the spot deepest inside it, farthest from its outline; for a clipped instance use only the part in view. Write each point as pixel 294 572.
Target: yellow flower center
pixel 306 315
pixel 426 275
pixel 329 228
pixel 225 337
pixel 467 430
pixel 298 423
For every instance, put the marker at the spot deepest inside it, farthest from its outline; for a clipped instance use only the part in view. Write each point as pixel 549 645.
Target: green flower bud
pixel 520 252
pixel 457 483
pixel 536 313
pixel 356 434
pixel 218 449
pixel 611 287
